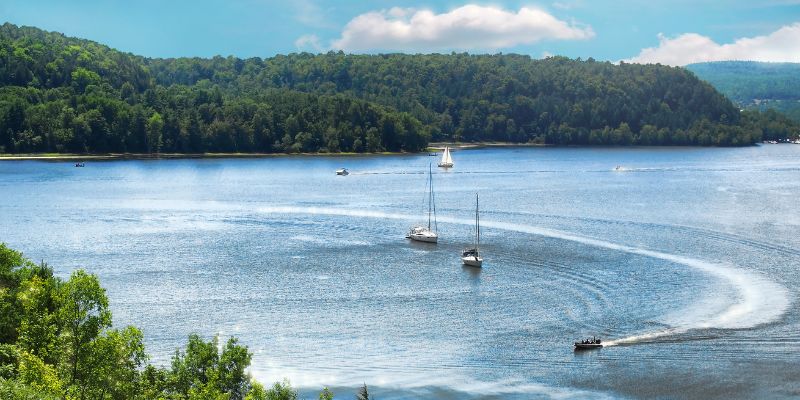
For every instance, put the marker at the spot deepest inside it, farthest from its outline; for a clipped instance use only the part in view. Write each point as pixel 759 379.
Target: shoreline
pixel 432 147
pixel 171 156
pixel 438 146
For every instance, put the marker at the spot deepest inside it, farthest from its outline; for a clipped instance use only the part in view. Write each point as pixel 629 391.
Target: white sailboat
pixel 472 257
pixel 447 160
pixel 423 233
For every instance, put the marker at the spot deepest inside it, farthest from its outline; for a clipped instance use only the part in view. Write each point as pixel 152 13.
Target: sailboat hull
pixel 427 238
pixel 446 165
pixel 472 261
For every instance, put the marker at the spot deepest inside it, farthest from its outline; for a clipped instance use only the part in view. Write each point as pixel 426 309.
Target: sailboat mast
pixel 477 226
pixel 430 193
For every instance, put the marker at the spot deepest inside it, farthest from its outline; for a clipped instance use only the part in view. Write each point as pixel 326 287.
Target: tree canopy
pixel 61 94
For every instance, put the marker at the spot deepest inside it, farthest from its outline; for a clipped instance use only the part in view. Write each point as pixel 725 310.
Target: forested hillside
pixel 755 85
pixel 62 94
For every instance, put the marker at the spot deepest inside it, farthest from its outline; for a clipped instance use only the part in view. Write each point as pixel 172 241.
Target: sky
pixel 676 32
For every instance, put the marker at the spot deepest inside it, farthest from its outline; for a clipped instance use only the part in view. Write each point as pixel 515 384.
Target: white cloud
pixel 781 45
pixel 308 42
pixel 465 28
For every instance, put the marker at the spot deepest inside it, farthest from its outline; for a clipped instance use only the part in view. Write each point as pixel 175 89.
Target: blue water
pixel 685 260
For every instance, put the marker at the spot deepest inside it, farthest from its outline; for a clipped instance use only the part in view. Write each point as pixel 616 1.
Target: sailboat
pixel 422 233
pixel 472 257
pixel 446 161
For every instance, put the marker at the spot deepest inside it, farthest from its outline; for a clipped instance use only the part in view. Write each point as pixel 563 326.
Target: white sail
pixel 447 160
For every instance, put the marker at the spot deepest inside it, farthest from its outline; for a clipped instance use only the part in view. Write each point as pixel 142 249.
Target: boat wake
pixel 758 300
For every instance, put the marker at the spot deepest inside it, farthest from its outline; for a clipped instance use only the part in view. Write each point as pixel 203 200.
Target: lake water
pixel 686 261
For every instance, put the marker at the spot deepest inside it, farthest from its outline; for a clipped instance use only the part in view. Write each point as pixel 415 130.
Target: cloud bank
pixel 468 27
pixel 782 45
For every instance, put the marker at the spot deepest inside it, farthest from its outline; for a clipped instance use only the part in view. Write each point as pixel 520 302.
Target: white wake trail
pixel 759 300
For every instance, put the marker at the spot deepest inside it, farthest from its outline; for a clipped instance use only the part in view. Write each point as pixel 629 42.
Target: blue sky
pixel 676 31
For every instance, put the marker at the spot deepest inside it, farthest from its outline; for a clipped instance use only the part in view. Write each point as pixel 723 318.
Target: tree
pixel 155 125
pixel 363 393
pixel 83 313
pixel 196 366
pixel 233 362
pixel 326 394
pixel 281 391
pixel 116 357
pixel 82 78
pixel 38 328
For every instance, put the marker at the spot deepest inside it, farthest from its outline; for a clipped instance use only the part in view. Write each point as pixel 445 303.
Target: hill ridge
pixel 62 94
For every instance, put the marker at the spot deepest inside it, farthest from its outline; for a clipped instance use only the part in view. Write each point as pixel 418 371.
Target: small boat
pixel 422 233
pixel 342 171
pixel 447 160
pixel 80 165
pixel 588 344
pixel 472 257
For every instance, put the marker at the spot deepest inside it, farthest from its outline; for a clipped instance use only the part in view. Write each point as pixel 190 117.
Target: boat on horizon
pixel 472 257
pixel 421 233
pixel 447 160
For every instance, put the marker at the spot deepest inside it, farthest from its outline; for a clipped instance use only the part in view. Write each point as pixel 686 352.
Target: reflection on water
pixel 683 280
pixel 474 273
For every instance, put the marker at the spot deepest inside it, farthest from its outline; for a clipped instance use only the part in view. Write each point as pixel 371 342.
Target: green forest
pixel 62 94
pixel 755 85
pixel 57 341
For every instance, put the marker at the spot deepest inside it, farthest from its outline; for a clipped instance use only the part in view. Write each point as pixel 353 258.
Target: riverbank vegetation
pixel 57 341
pixel 61 94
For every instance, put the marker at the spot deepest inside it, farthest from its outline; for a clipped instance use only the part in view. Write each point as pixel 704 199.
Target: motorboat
pixel 80 165
pixel 423 233
pixel 472 257
pixel 342 171
pixel 589 344
pixel 447 160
